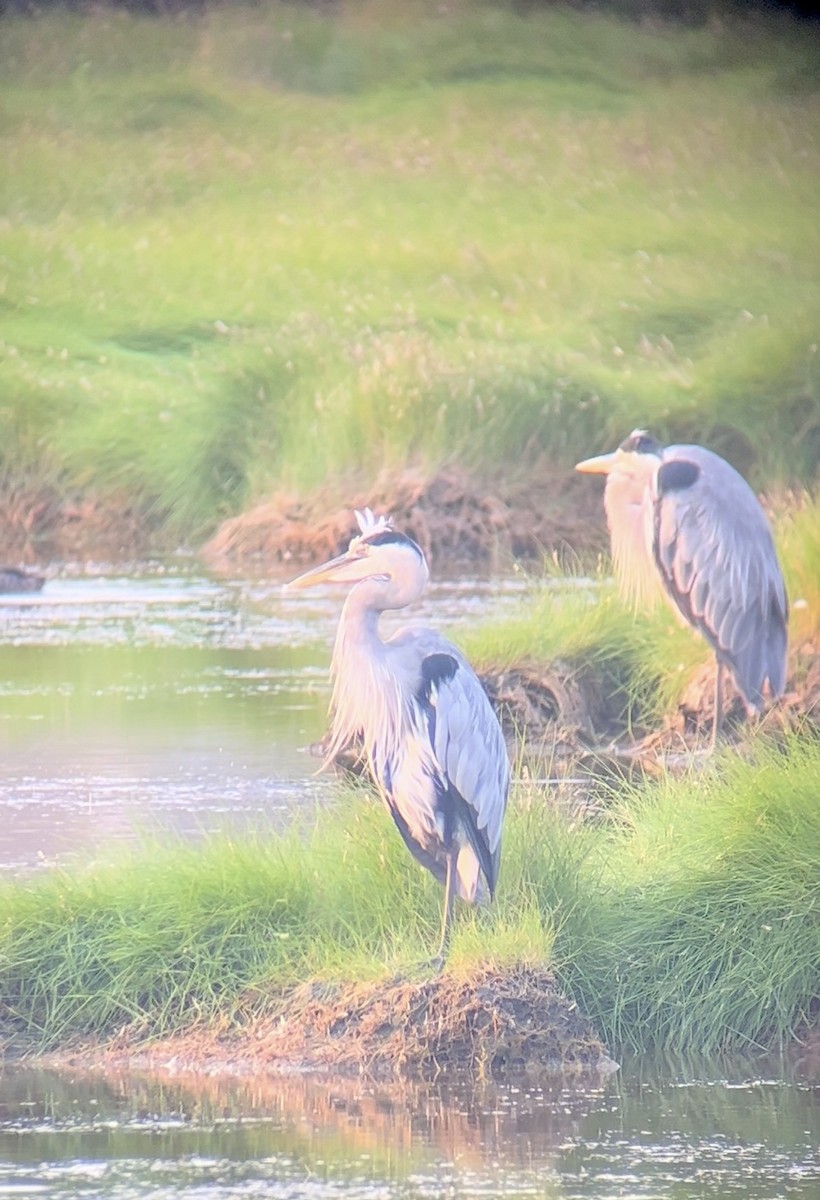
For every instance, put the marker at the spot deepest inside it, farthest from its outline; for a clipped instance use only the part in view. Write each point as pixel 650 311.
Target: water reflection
pixel 645 1133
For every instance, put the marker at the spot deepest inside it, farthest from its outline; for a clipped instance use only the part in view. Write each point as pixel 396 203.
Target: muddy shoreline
pixel 495 1022
pixel 461 523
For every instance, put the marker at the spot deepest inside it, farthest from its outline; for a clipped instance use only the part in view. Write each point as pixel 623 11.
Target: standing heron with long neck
pixel 432 741
pixel 682 515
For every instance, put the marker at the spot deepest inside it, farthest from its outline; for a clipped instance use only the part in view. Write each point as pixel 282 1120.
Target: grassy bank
pixel 264 247
pixel 686 916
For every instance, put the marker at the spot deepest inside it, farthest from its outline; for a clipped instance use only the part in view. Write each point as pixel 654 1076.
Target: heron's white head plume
pixel 369 524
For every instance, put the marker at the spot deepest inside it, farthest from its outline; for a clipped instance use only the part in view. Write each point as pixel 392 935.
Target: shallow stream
pixel 135 703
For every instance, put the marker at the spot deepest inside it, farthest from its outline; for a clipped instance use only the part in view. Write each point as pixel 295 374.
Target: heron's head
pixel 379 555
pixel 637 458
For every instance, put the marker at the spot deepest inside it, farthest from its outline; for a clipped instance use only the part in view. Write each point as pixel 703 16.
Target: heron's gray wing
pixel 714 550
pixel 469 749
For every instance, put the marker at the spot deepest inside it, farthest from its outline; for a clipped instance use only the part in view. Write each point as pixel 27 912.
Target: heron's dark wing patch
pixel 436 669
pixel 676 476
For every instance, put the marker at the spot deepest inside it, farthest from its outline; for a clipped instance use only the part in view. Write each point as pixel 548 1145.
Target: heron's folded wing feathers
pixel 717 560
pixel 470 750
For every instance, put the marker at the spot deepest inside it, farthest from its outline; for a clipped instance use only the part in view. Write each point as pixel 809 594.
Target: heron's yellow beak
pixel 601 465
pixel 345 568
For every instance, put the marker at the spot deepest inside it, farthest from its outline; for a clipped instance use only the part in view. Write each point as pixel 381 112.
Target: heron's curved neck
pixel 371 597
pixel 369 699
pixel 359 622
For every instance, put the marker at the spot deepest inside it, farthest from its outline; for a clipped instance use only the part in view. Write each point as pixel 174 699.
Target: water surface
pixel 749 1131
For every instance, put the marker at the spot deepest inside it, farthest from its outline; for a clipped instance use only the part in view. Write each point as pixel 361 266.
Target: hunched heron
pixel 683 514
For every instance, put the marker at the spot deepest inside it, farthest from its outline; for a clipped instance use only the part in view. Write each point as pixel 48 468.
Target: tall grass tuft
pixel 636 664
pixel 164 936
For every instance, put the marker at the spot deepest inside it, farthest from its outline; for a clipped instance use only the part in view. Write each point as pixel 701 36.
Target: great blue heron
pixel 433 743
pixel 685 513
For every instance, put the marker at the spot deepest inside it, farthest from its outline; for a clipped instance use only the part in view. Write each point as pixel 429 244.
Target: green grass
pixel 637 665
pixel 685 917
pixel 265 247
pixel 706 930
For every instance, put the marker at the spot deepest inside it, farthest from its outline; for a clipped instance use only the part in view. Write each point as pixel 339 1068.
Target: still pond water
pixel 162 700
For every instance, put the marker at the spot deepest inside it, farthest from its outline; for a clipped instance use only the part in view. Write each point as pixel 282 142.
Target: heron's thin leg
pixel 718 718
pixel 447 915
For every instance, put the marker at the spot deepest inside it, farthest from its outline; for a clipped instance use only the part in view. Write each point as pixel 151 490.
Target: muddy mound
pixel 565 704
pixel 452 518
pixel 37 524
pixel 491 1023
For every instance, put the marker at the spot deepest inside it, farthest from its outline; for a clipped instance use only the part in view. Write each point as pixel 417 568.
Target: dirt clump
pixel 453 518
pixel 564 704
pixel 565 715
pixel 492 1023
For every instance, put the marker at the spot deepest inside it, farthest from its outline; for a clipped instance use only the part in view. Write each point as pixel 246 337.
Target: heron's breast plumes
pixel 366 703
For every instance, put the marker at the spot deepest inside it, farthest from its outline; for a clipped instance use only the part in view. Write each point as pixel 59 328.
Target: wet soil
pixel 494 1023
pixel 38 526
pixel 460 521
pixel 564 715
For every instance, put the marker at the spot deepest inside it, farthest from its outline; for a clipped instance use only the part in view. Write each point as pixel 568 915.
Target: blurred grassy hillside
pixel 273 246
